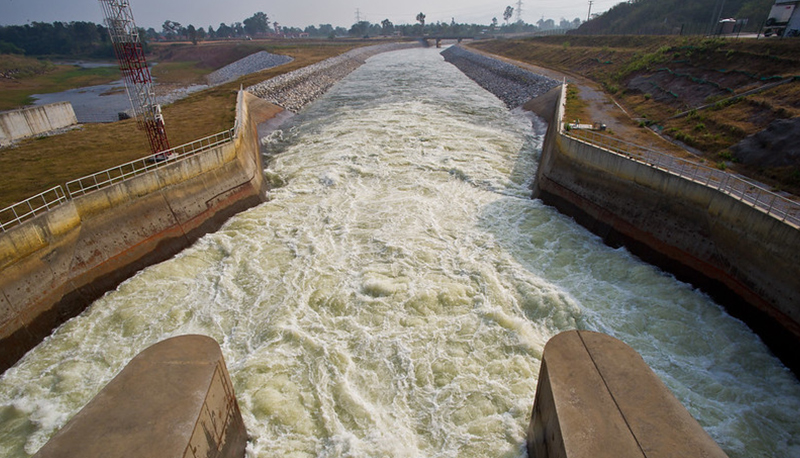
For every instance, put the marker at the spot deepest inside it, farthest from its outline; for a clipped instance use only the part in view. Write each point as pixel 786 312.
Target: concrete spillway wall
pixel 748 259
pixel 56 264
pixel 28 122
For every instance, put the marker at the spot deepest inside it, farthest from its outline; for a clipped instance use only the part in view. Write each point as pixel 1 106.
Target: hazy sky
pixel 296 13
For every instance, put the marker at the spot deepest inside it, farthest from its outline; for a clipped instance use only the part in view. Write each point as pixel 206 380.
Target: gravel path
pixel 294 90
pixel 511 84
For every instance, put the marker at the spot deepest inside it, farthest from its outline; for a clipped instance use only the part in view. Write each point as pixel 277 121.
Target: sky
pixel 297 13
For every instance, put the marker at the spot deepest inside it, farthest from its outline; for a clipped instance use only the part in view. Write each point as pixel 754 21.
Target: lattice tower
pixel 138 81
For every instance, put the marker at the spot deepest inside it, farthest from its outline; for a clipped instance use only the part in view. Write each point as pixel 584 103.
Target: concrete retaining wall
pixel 748 260
pixel 173 400
pixel 597 398
pixel 56 264
pixel 28 122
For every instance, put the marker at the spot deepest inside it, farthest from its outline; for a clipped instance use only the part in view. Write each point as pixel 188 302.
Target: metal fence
pixel 40 203
pixel 146 164
pixel 27 209
pixel 745 191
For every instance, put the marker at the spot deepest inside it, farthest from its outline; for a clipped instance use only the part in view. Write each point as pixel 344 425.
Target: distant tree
pixel 191 32
pixel 326 30
pixel 211 32
pixel 359 29
pixel 387 27
pixel 171 29
pixel 238 29
pixel 508 13
pixel 223 31
pixel 258 24
pixel 494 23
pixel 151 34
pixel 576 22
pixel 421 19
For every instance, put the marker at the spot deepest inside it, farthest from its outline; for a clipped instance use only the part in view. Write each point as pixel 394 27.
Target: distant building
pixel 784 19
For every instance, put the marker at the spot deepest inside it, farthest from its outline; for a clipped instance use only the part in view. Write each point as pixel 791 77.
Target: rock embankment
pixel 294 90
pixel 250 64
pixel 511 84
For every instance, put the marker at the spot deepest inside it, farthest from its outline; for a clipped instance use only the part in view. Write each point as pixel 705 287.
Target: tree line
pixel 58 38
pixel 92 40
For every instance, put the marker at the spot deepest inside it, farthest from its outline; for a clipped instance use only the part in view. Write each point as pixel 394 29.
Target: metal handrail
pixel 26 209
pixel 146 164
pixel 743 190
pixel 21 211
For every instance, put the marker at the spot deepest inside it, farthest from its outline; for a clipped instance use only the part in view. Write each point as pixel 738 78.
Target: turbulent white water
pixel 395 295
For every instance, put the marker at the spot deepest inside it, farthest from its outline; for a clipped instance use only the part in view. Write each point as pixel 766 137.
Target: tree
pixel 387 27
pixel 192 34
pixel 238 29
pixel 171 29
pixel 257 24
pixel 494 23
pixel 223 31
pixel 421 19
pixel 508 13
pixel 359 29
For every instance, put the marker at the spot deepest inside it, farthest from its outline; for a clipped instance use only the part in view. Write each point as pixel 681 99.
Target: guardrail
pixel 40 203
pixel 27 209
pixel 745 191
pixel 146 164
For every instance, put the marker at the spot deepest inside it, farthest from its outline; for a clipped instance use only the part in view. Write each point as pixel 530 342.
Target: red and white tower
pixel 138 82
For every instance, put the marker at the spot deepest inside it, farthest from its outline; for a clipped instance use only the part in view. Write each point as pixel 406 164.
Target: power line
pixel 519 11
pixel 358 15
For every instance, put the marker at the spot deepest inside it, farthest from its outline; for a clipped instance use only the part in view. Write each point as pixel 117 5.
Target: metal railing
pixel 27 209
pixel 40 203
pixel 745 191
pixel 146 164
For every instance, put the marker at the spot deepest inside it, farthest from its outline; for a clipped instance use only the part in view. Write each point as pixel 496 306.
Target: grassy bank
pixel 37 164
pixel 690 89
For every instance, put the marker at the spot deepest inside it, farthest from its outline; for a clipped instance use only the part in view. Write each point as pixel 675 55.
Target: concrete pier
pixel 173 400
pixel 597 398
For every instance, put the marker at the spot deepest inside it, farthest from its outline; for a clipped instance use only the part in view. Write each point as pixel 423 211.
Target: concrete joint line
pixel 613 398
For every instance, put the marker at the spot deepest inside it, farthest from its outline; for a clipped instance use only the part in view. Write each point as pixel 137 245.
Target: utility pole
pixel 589 16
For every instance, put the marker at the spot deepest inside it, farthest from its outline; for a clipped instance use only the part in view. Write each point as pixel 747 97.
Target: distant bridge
pixel 439 38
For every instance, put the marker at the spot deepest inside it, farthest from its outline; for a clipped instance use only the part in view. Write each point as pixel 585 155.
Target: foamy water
pixel 394 296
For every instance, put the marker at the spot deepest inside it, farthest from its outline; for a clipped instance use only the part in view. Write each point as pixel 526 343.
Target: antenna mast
pixel 138 82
